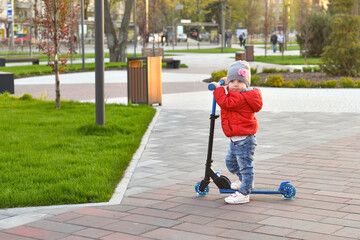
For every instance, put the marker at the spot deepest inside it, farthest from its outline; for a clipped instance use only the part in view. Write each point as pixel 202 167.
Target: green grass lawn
pixel 50 156
pixel 44 69
pixel 289 48
pixel 288 60
pixel 207 50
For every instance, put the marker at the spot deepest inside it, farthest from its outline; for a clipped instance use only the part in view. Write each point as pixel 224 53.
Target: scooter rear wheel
pixel 201 193
pixel 290 191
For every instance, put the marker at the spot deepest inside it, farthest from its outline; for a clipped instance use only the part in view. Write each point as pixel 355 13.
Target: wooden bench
pixel 159 52
pixel 7 82
pixel 34 60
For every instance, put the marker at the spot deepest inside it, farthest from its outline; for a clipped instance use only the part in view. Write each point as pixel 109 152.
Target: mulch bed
pixel 315 77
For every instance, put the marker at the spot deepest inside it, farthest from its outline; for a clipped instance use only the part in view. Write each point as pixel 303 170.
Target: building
pixel 21 14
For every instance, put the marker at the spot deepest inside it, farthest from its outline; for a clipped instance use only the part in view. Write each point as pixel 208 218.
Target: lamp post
pixel 30 43
pixel 99 62
pixel 82 34
pixel 135 33
pixel 222 26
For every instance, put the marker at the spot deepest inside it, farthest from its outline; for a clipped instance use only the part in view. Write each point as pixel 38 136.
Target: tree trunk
pixel 117 46
pixel 57 83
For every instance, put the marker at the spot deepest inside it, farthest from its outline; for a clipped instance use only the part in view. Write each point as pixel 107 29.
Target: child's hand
pixel 216 84
pixel 224 78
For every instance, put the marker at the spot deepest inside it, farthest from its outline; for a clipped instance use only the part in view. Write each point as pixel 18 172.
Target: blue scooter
pixel 222 182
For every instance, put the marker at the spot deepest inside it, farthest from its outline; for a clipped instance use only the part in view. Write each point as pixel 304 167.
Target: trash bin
pixel 7 82
pixel 239 56
pixel 249 53
pixel 173 64
pixel 144 80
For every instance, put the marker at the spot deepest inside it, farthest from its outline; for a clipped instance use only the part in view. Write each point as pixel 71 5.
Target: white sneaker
pixel 236 185
pixel 237 198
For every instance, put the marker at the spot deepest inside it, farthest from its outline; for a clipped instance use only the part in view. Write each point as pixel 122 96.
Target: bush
pixel 358 83
pixel 302 83
pixel 288 84
pixel 26 97
pixel 329 84
pixel 316 69
pixel 253 71
pixel 274 81
pixel 347 82
pixel 297 70
pixel 307 69
pixel 269 70
pixel 255 80
pixel 216 76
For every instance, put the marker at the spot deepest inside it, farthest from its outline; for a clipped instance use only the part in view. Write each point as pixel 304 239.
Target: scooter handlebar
pixel 212 87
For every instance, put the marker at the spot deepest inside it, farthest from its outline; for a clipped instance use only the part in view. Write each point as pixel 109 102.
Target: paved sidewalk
pixel 310 137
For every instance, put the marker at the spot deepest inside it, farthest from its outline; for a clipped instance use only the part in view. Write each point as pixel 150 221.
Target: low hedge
pixel 276 80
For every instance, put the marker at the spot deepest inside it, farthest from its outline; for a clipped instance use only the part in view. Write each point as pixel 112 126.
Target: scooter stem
pixel 212 87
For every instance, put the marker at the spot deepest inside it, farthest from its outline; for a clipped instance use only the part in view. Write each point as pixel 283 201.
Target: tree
pixel 314 34
pixel 342 56
pixel 53 24
pixel 117 45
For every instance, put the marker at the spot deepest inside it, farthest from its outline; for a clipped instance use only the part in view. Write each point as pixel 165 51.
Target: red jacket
pixel 238 111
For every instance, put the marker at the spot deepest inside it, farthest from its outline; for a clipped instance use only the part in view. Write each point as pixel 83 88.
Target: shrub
pixel 253 71
pixel 307 69
pixel 358 83
pixel 274 81
pixel 288 84
pixel 216 76
pixel 347 82
pixel 269 70
pixel 255 79
pixel 302 83
pixel 316 69
pixel 26 97
pixel 283 70
pixel 297 70
pixel 329 84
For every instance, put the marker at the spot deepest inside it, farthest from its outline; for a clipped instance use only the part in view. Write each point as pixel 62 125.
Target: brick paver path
pixel 318 152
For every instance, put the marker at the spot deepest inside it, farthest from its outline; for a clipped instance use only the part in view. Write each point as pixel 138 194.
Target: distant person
pixel 241 38
pixel 273 40
pixel 280 40
pixel 226 38
pixel 163 37
pixel 229 38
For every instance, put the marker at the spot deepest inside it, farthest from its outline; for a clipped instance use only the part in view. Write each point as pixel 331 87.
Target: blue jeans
pixel 240 161
pixel 274 47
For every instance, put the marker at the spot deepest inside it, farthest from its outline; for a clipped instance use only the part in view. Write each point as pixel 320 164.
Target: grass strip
pixel 50 156
pixel 288 60
pixel 208 50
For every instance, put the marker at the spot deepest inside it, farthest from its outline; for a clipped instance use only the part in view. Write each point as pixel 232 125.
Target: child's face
pixel 237 85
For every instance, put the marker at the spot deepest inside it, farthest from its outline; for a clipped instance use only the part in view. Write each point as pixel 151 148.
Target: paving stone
pixel 118 236
pixel 129 227
pixel 55 226
pixel 157 221
pixel 35 233
pixel 301 225
pixel 172 234
pixel 93 233
pixel 348 232
pixel 92 221
pixel 234 234
pixel 311 236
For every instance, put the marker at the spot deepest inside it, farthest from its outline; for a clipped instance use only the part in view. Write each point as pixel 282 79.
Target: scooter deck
pixel 255 191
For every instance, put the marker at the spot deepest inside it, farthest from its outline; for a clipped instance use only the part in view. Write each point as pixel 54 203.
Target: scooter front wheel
pixel 199 192
pixel 289 191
